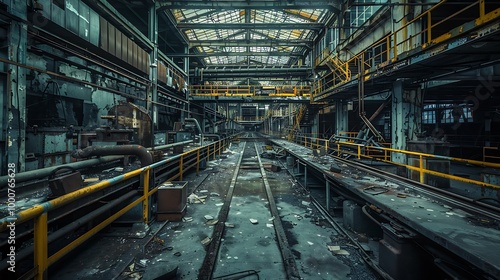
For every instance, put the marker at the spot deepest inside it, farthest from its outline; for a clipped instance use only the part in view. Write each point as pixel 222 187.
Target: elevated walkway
pixel 463 38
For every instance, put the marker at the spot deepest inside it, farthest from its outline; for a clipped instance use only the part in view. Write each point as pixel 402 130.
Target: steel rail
pixel 291 269
pixel 207 268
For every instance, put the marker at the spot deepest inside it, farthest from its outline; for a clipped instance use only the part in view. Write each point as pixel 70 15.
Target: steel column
pixel 406 118
pixel 153 74
pixel 15 123
pixel 341 116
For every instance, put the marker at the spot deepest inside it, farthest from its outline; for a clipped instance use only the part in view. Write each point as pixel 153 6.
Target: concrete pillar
pixel 341 116
pixel 14 123
pixel 406 118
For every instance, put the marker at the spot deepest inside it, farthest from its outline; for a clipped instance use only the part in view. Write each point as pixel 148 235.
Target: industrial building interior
pixel 358 138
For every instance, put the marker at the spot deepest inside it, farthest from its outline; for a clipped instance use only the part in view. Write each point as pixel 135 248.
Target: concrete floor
pixel 245 247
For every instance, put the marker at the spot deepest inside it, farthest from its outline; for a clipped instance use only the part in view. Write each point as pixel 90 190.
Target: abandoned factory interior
pixel 263 139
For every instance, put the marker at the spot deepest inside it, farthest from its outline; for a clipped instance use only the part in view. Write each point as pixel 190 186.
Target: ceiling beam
pixel 333 6
pixel 261 26
pixel 245 69
pixel 234 54
pixel 251 43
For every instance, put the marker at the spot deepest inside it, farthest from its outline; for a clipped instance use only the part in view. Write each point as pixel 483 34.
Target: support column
pixel 153 73
pixel 15 97
pixel 186 70
pixel 406 118
pixel 341 116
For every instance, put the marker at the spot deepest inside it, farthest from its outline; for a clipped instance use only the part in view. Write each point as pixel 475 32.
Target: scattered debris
pixel 214 194
pixel 254 221
pixel 90 180
pixel 187 219
pixel 206 241
pixel 177 254
pixel 271 219
pixel 219 204
pixel 203 191
pixel 341 252
pixel 333 248
pixel 306 203
pixel 119 169
pixel 229 225
pixel 212 222
pixel 208 217
pixel 269 225
pixel 192 198
pixel 337 251
pixel 335 168
pixel 108 170
pixel 402 195
pixel 310 243
pixel 365 247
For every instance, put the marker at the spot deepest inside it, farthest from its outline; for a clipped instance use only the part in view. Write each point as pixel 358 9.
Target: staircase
pixel 341 69
pixel 298 118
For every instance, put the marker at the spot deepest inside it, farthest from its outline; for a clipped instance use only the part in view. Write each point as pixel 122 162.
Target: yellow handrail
pixel 398 42
pixel 362 151
pixel 39 212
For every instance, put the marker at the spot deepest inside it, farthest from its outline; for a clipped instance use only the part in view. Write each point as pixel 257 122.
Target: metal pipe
pixel 212 135
pixel 45 172
pixel 197 126
pixel 137 150
pixel 170 145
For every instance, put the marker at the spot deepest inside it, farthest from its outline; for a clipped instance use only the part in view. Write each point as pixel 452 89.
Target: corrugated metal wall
pixel 118 44
pixel 78 18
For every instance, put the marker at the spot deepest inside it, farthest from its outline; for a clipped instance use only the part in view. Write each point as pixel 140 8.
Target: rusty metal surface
pixel 65 184
pixel 131 116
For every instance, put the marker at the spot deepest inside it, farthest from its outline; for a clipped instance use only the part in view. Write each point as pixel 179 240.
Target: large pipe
pixel 45 172
pixel 197 126
pixel 137 150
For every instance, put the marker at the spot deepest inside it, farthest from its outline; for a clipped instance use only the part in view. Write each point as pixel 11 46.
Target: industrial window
pixel 447 113
pixel 59 3
pixel 429 117
pixel 358 14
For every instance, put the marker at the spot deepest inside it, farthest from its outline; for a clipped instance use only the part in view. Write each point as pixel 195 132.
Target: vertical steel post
pixel 145 202
pixel 41 246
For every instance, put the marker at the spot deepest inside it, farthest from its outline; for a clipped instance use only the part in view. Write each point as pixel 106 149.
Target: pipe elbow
pixel 136 150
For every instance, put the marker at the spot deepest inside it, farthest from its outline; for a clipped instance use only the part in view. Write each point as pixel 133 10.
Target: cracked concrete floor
pixel 245 247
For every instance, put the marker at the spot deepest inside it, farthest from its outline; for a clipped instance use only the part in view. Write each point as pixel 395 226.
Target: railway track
pixel 423 213
pixel 250 160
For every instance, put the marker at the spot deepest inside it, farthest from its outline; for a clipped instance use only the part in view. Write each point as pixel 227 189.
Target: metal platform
pixel 445 223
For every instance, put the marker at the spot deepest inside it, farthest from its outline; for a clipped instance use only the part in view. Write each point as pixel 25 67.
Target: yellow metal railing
pixel 249 90
pixel 248 119
pixel 493 155
pixel 39 213
pixel 385 154
pixel 399 42
pixel 298 118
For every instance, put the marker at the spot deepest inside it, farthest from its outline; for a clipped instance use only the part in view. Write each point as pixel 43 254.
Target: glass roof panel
pixel 240 35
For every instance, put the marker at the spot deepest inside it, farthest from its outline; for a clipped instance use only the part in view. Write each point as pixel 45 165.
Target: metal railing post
pixel 145 203
pixel 181 163
pixel 197 161
pixel 421 169
pixel 41 246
